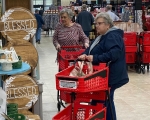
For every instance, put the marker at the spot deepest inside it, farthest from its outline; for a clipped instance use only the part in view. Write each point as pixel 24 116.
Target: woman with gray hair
pixel 108 47
pixel 68 33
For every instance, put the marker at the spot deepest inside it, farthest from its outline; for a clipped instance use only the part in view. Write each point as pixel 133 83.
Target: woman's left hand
pixel 86 45
pixel 89 58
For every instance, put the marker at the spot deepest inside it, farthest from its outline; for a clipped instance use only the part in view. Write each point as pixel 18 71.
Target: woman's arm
pixel 114 47
pixel 55 36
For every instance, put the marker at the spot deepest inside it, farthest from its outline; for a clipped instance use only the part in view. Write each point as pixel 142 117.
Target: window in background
pixel 37 2
pixel 48 3
pixel 42 3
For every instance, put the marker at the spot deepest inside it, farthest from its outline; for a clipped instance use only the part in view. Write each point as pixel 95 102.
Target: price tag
pixel 68 84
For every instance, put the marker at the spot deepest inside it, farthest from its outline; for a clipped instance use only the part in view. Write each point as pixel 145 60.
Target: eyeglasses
pixel 99 23
pixel 64 17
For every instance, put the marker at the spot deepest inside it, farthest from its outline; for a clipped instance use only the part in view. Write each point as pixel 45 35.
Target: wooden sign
pixel 33 117
pixel 21 89
pixel 18 24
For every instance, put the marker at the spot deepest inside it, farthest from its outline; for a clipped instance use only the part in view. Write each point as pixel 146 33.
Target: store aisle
pixel 132 100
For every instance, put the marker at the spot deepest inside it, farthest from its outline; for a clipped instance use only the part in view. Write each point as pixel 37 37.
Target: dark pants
pixel 108 114
pixel 87 33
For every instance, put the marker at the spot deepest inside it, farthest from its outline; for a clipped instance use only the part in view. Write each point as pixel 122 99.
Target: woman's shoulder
pixel 114 35
pixel 77 25
pixel 59 26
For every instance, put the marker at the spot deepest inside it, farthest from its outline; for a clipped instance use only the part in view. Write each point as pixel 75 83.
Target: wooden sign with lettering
pixel 21 89
pixel 19 24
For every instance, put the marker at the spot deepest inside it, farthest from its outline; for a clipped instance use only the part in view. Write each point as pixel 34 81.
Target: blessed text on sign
pixel 21 92
pixel 16 25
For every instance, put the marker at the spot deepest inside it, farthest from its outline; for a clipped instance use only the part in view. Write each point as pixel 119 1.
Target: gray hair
pixel 68 11
pixel 84 7
pixel 106 18
pixel 109 7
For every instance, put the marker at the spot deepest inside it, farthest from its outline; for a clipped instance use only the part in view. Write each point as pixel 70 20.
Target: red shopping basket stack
pixel 130 41
pixel 66 56
pixel 144 50
pixel 86 88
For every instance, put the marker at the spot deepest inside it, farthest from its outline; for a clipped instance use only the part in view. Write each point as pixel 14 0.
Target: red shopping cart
pixel 82 111
pixel 82 90
pixel 130 41
pixel 144 50
pixel 66 57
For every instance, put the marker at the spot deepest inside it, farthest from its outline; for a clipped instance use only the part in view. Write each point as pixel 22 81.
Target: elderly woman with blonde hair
pixel 108 47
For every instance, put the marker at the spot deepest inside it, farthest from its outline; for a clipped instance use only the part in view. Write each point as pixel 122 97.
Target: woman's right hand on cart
pixel 58 47
pixel 82 57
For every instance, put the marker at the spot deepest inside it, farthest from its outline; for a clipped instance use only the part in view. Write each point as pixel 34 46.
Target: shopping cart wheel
pixel 143 71
pixel 139 70
pixel 147 68
pixel 136 69
pixel 58 106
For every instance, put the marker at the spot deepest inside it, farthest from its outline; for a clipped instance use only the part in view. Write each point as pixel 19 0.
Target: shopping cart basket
pixel 82 111
pixel 96 81
pixel 89 87
pixel 66 57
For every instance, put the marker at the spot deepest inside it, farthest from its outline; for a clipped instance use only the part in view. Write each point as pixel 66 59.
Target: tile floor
pixel 132 100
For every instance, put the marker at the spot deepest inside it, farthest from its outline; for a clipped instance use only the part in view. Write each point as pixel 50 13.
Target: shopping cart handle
pixel 107 64
pixel 63 47
pixel 81 60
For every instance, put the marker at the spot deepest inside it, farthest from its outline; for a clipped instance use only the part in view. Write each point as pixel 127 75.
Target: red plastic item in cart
pixel 67 55
pixel 96 81
pixel 100 95
pixel 65 96
pixel 131 57
pixel 82 111
pixel 146 57
pixel 145 38
pixel 130 54
pixel 146 48
pixel 131 49
pixel 130 38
